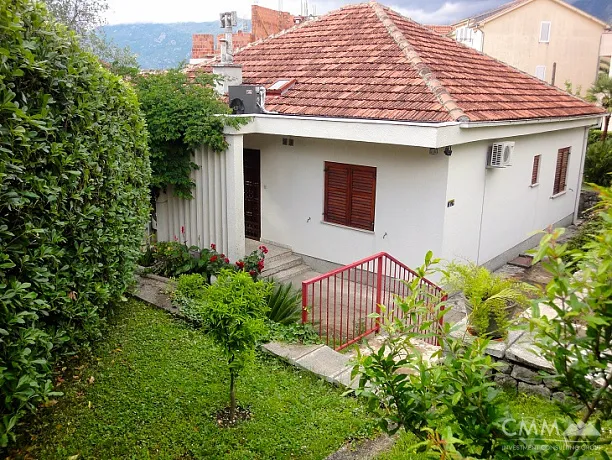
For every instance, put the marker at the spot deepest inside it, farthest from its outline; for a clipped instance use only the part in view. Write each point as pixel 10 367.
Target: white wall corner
pixel 235 197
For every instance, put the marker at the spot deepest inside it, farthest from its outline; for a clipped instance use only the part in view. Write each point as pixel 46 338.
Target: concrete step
pixel 277 253
pixel 281 264
pixel 291 274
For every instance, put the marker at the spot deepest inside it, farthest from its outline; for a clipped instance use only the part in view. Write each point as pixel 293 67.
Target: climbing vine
pixel 183 113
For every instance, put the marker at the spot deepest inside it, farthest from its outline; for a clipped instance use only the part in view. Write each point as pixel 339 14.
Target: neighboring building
pixel 264 22
pixel 375 135
pixel 441 29
pixel 605 53
pixel 549 39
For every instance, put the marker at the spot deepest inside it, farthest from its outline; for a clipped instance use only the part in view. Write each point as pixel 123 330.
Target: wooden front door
pixel 252 194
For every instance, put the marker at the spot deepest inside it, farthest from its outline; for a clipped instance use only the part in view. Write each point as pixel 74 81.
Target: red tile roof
pixel 442 30
pixel 367 61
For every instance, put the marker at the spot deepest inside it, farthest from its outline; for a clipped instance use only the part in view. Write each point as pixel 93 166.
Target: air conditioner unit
pixel 500 155
pixel 244 99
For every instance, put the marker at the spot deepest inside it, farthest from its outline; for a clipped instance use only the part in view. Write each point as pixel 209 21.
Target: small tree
pixel 578 341
pixel 601 91
pixel 233 313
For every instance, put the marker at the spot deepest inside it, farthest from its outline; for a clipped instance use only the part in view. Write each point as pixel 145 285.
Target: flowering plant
pixel 212 261
pixel 254 262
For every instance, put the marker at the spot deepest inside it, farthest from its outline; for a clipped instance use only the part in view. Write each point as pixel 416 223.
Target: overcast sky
pixel 424 11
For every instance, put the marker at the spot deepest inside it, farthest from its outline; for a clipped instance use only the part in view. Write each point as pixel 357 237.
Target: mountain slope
pixel 160 46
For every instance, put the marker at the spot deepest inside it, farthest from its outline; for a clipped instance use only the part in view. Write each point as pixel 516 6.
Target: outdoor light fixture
pixel 448 151
pixel 433 151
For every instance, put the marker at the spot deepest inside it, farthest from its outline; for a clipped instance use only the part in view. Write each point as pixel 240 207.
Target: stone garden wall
pixel 521 366
pixel 588 199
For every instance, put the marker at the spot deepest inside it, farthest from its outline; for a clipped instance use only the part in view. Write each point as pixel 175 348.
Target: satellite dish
pixel 237 106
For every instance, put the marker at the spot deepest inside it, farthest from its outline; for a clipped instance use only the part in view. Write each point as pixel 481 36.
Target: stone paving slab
pixel 495 348
pixel 324 362
pixel 290 352
pixel 155 292
pixel 524 351
pixel 343 378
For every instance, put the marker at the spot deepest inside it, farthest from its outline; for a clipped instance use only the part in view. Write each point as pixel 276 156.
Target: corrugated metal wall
pixel 205 217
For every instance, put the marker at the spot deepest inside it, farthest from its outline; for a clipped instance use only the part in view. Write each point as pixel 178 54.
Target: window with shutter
pixel 535 170
pixel 545 32
pixel 350 195
pixel 561 171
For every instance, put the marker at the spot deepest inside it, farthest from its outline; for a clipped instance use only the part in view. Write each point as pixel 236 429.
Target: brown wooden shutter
pixel 561 170
pixel 350 195
pixel 535 170
pixel 336 208
pixel 363 197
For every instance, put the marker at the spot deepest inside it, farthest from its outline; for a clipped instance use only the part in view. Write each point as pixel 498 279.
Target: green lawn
pixel 157 385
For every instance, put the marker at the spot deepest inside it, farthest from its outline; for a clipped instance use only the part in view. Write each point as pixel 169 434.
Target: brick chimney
pixel 266 21
pixel 203 47
pixel 230 73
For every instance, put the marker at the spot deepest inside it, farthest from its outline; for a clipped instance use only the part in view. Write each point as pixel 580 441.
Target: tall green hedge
pixel 74 175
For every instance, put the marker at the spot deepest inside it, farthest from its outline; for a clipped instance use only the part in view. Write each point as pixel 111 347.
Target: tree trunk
pixel 604 131
pixel 232 395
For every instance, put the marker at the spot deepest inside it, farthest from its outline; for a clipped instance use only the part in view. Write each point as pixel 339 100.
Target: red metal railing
pixel 338 303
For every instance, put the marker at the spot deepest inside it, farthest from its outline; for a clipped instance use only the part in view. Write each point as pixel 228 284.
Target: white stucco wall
pixel 410 199
pixel 510 210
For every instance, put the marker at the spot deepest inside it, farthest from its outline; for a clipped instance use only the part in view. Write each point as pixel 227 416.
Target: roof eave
pixel 529 121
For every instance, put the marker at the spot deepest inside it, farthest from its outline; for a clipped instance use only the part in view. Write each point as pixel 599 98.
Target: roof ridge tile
pixel 423 70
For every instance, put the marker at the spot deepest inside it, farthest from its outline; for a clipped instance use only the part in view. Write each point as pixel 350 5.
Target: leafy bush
pixel 594 136
pixel 598 163
pixel 285 304
pixel 491 298
pixel 183 113
pixel 292 333
pixel 74 200
pixel 233 313
pixel 592 225
pixel 191 287
pixel 174 259
pixel 578 340
pixel 451 405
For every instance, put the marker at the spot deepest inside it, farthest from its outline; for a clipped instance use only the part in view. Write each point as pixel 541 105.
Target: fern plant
pixel 284 304
pixel 492 298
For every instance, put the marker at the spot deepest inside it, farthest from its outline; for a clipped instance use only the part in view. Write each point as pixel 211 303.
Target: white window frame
pixel 547 40
pixel 540 70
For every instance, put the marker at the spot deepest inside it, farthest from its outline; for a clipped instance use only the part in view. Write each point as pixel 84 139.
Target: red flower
pixel 213 259
pixel 260 265
pixel 175 238
pixel 183 229
pixel 226 260
pixel 213 246
pixel 252 273
pixel 222 256
pixel 240 264
pixel 263 249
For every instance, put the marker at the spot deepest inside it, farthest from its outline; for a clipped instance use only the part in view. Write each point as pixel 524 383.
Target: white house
pixel 379 135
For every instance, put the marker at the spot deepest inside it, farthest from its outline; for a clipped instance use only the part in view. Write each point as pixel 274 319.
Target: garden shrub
pixel 174 259
pixel 598 163
pixel 285 304
pixel 74 175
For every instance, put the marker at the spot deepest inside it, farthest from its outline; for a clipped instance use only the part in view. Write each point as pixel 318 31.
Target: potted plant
pixel 491 300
